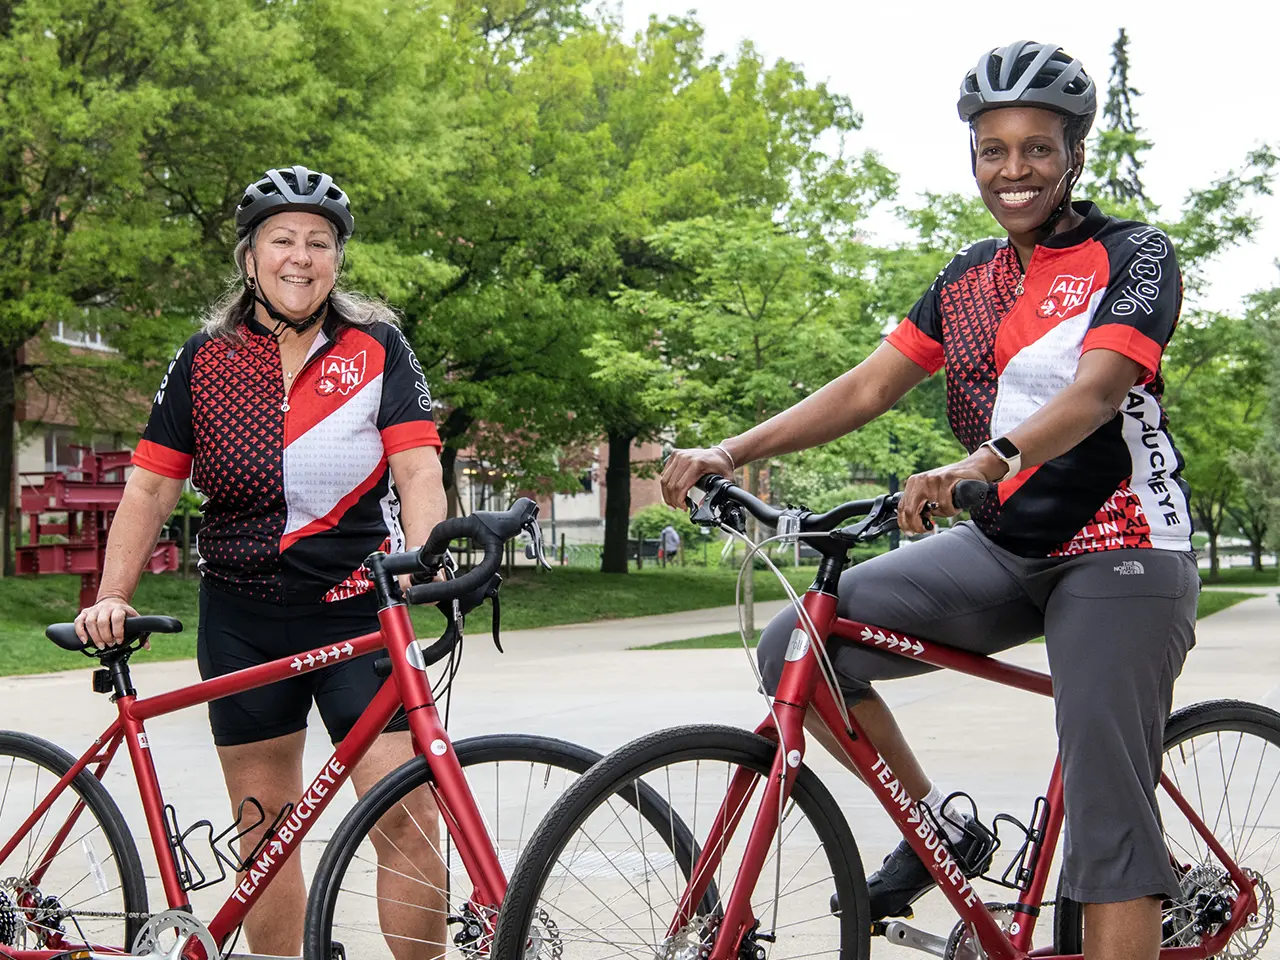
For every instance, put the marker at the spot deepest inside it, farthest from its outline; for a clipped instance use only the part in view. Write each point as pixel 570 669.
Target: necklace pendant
pixel 1018 291
pixel 284 407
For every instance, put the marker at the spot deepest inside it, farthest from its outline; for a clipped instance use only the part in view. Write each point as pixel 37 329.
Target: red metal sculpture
pixel 89 503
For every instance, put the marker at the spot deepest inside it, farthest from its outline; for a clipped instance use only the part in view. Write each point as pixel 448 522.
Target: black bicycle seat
pixel 64 634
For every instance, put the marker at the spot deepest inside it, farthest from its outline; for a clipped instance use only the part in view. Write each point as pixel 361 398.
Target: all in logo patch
pixel 1066 294
pixel 343 374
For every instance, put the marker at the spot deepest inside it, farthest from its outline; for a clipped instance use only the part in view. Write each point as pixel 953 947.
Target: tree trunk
pixel 449 478
pixel 617 503
pixel 1213 554
pixel 1257 555
pixel 8 396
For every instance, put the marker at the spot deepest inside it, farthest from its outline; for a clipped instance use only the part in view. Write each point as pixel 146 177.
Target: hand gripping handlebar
pixel 490 531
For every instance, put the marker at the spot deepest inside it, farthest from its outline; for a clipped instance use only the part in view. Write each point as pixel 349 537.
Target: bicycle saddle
pixel 64 634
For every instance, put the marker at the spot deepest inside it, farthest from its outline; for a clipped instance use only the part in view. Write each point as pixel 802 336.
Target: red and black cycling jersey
pixel 1011 341
pixel 299 491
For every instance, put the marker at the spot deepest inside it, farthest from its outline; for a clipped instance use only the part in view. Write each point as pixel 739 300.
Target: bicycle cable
pixel 824 662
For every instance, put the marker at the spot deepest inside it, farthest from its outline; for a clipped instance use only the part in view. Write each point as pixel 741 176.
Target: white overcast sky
pixel 1207 72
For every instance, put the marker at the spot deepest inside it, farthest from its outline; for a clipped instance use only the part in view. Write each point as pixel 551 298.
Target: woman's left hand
pixel 931 491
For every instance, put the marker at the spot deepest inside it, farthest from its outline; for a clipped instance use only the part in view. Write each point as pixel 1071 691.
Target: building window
pixel 88 338
pixel 59 444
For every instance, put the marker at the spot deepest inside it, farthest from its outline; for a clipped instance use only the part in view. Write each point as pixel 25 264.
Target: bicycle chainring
pixel 168 936
pixel 963 943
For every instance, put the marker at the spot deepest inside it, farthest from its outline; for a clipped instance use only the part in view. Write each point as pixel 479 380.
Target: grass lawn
pixel 1211 601
pixel 1245 577
pixel 529 599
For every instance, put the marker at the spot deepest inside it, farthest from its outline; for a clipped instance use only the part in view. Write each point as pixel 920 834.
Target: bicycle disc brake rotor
pixel 963 943
pixel 544 935
pixel 1249 940
pixel 166 936
pixel 690 942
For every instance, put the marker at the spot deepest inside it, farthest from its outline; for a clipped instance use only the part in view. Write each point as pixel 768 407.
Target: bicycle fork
pixel 739 919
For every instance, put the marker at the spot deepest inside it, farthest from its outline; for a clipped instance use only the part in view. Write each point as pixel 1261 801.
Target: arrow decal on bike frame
pixel 893 641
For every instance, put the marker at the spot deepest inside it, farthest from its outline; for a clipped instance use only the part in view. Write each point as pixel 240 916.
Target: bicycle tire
pixel 99 803
pixel 1213 716
pixel 498 748
pixel 626 766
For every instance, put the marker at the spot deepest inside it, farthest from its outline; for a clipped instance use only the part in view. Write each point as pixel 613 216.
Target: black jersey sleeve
pixel 1140 308
pixel 168 442
pixel 405 416
pixel 919 335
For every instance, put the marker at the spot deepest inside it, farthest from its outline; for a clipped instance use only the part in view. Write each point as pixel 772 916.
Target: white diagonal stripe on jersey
pixel 333 458
pixel 1154 463
pixel 1040 370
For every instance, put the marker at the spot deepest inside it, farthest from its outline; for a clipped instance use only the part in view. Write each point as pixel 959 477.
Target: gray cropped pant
pixel 1117 625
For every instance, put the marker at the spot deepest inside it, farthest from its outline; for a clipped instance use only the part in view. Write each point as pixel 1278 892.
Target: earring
pixel 251 283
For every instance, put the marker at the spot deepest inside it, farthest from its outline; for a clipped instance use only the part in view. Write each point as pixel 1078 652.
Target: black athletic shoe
pixel 903 878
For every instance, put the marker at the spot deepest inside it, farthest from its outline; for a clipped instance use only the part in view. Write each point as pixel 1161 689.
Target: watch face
pixel 1005 447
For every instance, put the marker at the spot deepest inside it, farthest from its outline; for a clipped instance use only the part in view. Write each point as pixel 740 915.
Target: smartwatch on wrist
pixel 1009 455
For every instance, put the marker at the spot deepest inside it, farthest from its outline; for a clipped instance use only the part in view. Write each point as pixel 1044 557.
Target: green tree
pixel 85 88
pixel 1216 395
pixel 764 317
pixel 1116 155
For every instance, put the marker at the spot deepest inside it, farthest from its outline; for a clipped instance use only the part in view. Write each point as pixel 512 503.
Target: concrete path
pixel 583 684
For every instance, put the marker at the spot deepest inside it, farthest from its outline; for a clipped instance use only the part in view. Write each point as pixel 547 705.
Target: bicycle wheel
pixel 74 878
pixel 1224 758
pixel 362 907
pixel 600 880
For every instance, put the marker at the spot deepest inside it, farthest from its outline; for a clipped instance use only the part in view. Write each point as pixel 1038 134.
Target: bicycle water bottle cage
pixel 977 845
pixel 225 846
pixel 882 519
pixel 1023 865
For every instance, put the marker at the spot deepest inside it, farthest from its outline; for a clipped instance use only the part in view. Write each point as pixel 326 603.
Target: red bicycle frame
pixel 800 687
pixel 409 687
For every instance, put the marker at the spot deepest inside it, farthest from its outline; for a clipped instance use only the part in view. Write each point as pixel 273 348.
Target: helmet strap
pixel 282 321
pixel 1045 230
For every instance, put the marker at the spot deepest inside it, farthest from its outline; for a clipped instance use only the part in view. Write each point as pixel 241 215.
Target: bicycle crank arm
pixel 905 935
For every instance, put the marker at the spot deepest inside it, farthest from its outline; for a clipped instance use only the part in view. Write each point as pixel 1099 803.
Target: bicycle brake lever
pixel 882 519
pixel 534 549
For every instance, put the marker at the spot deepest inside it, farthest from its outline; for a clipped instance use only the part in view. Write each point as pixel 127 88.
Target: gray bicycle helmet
pixel 1028 74
pixel 294 188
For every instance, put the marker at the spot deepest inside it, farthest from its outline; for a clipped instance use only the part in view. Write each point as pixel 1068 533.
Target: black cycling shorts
pixel 235 633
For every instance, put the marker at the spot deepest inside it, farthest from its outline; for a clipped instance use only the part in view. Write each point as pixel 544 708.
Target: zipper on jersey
pixel 288 387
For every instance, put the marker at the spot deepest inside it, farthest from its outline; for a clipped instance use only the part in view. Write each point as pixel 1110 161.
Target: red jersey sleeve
pixel 919 335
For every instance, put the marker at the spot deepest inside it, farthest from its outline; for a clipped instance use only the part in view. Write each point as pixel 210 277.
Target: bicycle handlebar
pixel 966 495
pixel 490 530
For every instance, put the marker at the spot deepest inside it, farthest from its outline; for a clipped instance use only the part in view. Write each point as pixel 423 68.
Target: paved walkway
pixel 582 683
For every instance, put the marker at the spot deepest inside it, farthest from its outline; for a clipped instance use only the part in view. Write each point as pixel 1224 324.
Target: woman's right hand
pixel 684 468
pixel 103 623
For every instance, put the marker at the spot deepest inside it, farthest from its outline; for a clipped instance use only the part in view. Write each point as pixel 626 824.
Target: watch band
pixel 1008 454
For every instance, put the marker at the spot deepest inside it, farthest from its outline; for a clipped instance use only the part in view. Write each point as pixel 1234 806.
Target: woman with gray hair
pixel 302 414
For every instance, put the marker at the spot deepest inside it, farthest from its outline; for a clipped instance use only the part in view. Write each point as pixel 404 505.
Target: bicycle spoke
pixel 608 861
